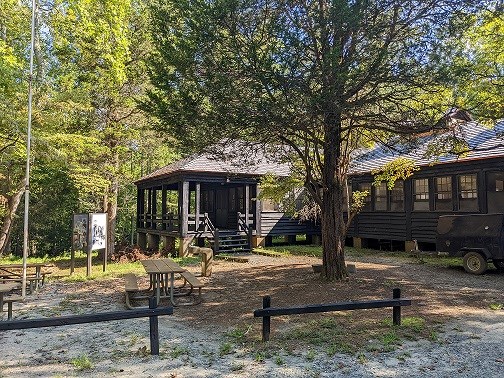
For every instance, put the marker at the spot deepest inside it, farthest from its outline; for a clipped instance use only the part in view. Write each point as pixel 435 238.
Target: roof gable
pixel 248 162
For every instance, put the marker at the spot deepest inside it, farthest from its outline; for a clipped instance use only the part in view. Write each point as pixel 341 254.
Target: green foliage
pixel 358 200
pixel 477 63
pixel 398 169
pixel 285 191
pixel 447 145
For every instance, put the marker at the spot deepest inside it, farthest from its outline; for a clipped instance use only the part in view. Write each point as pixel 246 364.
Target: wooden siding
pixel 379 226
pixel 277 223
pixel 423 226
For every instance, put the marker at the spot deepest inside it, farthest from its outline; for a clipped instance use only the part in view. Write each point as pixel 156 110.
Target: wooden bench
pixel 10 300
pixel 194 283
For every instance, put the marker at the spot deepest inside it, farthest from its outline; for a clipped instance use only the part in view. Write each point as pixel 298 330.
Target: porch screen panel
pixel 207 201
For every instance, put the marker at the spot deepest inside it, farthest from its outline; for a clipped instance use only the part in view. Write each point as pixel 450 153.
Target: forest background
pixel 91 136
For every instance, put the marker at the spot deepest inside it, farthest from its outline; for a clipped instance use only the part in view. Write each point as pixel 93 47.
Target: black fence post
pixel 154 328
pixel 266 319
pixel 396 310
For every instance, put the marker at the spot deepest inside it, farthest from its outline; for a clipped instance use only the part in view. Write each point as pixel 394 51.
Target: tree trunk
pixel 12 205
pixel 333 225
pixel 333 237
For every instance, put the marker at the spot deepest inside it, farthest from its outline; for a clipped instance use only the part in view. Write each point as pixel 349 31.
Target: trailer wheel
pixel 475 263
pixel 499 264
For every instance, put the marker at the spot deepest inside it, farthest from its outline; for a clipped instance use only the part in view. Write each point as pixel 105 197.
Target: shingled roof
pixel 482 143
pixel 254 163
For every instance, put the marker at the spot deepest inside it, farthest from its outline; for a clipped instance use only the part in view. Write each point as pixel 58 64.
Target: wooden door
pixel 221 208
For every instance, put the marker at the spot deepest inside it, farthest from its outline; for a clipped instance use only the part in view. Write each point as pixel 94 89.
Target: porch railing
pixel 169 222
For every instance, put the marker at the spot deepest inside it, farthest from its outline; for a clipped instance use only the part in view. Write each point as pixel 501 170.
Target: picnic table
pixel 13 273
pixel 162 277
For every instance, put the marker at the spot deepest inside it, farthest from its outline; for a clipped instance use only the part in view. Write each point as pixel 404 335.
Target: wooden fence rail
pixel 267 311
pixel 152 312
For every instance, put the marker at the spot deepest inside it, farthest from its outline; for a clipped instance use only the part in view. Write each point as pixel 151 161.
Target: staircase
pixel 230 241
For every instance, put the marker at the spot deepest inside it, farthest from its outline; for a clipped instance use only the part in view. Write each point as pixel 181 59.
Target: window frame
pixel 443 186
pixel 425 194
pixel 473 190
pixel 382 188
pixel 391 200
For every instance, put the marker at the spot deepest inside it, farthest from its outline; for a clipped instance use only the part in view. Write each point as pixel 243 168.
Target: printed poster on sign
pixel 98 229
pixel 80 232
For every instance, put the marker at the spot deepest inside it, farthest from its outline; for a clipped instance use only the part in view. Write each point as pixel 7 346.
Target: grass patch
pixel 238 334
pixel 339 334
pixel 179 351
pixel 82 363
pixel 225 348
pixel 496 306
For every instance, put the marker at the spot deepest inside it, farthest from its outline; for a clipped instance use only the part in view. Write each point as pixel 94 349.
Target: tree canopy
pixel 322 77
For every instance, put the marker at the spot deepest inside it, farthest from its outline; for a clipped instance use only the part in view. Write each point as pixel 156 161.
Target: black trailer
pixel 478 238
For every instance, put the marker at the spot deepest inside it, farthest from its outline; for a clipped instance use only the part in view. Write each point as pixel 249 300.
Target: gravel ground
pixel 469 343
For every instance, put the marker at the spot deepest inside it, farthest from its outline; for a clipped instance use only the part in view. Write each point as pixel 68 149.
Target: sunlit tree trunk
pixel 12 205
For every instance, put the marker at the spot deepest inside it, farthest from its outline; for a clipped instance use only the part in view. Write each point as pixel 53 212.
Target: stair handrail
pixel 208 225
pixel 244 226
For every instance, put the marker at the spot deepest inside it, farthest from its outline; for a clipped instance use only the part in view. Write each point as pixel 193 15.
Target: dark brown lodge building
pixel 204 200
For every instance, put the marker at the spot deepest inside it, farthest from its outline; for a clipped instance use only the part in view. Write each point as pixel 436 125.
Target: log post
pixel 266 323
pixel 396 310
pixel 154 328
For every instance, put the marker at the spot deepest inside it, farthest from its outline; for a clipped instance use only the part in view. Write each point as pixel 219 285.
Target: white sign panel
pixel 98 230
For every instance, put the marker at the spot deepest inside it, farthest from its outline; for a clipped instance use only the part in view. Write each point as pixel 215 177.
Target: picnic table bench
pixel 6 288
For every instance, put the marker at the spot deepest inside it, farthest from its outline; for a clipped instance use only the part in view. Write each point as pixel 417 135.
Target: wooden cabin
pixel 213 202
pixel 208 201
pixel 469 184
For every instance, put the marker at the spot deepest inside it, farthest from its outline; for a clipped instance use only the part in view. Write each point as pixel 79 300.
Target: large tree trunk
pixel 333 225
pixel 12 205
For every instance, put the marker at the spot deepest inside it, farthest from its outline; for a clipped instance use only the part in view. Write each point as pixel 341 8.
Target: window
pixel 380 198
pixel 495 192
pixel 421 194
pixel 366 186
pixel 443 193
pixel 468 193
pixel 397 197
